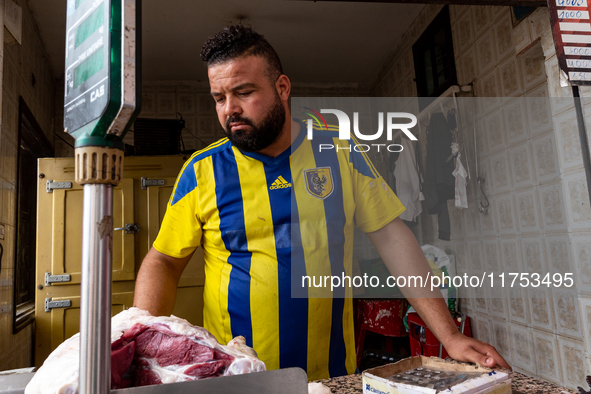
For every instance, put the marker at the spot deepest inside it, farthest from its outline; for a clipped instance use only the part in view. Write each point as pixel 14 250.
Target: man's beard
pixel 259 136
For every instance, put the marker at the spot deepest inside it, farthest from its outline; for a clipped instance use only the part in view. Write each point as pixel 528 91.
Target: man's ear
pixel 283 87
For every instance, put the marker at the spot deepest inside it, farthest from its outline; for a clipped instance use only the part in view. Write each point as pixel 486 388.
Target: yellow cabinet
pixel 140 199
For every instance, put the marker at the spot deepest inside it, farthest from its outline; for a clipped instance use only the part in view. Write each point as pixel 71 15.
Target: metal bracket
pixel 152 182
pixel 49 305
pixel 130 228
pixel 51 185
pixel 49 279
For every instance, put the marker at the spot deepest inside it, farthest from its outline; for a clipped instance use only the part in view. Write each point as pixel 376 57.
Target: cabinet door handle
pixel 130 228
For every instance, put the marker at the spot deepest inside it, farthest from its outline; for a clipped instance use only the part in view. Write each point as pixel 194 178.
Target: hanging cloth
pixel 408 183
pixel 439 181
pixel 460 173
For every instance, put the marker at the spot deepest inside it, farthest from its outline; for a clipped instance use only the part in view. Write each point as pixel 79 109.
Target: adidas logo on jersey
pixel 280 183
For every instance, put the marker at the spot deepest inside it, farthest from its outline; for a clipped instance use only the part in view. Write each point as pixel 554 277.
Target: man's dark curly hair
pixel 238 41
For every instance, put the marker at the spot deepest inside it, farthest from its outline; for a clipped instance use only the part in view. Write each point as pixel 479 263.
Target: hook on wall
pixel 483 207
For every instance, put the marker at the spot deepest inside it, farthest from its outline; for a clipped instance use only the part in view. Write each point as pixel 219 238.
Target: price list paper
pixel 571 28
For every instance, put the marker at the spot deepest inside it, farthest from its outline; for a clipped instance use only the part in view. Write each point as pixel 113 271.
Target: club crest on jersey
pixel 319 182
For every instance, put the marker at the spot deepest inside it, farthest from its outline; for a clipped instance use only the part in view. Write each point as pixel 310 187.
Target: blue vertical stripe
pixel 293 312
pixel 335 223
pixel 232 227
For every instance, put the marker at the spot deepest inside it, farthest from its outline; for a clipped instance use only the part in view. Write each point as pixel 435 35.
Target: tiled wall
pixel 539 217
pixel 18 63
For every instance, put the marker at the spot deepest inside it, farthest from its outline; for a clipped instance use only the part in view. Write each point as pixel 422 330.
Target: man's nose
pixel 232 107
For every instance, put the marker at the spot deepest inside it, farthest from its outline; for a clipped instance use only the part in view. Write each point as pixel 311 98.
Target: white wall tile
pixel 475 257
pixel 511 79
pixel 534 255
pixel 541 28
pixel 504 38
pixel 502 336
pixel 538 110
pixel 516 121
pixel 541 306
pixel 577 200
pixel 507 214
pixel 518 302
pixel 572 356
pixel 481 300
pixel 186 103
pixel 483 328
pixel 545 158
pixel 486 53
pixel 166 104
pixel 585 305
pixel 561 97
pixel 567 136
pixel 528 209
pixel 501 172
pixel 511 254
pixel 522 168
pixel 566 307
pixel 559 253
pixel 533 67
pixel 487 222
pixel 495 132
pixel 490 248
pixel 523 348
pixel 488 88
pixel 553 207
pixel 482 20
pixel 498 303
pixel 462 264
pixel 547 353
pixel 472 219
pixel 582 255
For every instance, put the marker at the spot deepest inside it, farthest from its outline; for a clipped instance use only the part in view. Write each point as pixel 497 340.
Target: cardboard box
pixel 375 380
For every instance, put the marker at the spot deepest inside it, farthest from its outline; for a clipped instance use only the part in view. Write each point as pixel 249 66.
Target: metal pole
pixel 95 294
pixel 583 137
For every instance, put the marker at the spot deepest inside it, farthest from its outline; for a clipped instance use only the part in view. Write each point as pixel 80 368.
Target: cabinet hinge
pixel 49 279
pixel 49 304
pixel 51 185
pixel 152 182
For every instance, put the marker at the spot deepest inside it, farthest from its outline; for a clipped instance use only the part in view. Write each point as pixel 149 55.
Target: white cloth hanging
pixel 408 184
pixel 460 173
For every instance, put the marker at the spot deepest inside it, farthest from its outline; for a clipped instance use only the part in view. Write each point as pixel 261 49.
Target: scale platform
pixel 286 381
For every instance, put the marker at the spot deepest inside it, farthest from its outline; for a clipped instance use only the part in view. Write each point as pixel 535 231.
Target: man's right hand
pixel 157 281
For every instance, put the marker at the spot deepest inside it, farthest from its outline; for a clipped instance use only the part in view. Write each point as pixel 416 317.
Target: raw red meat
pixel 149 350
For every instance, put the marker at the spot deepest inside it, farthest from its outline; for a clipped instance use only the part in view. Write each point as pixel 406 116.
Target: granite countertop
pixel 521 384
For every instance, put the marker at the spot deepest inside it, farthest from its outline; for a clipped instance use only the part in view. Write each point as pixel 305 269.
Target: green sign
pixel 94 85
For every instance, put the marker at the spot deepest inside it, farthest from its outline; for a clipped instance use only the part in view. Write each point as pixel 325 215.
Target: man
pixel 267 209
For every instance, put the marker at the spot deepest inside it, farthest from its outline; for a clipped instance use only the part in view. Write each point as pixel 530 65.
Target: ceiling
pixel 336 42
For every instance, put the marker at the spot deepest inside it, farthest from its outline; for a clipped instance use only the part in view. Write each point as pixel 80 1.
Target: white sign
pixel 578 63
pixel 579 76
pixel 572 14
pixel 571 3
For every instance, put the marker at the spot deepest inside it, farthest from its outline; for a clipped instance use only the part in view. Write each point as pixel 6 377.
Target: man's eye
pixel 244 93
pixel 219 100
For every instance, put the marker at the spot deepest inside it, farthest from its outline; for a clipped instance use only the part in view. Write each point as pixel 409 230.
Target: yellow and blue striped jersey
pixel 266 222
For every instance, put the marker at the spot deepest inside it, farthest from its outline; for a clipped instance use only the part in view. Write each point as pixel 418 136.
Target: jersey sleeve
pixel 375 203
pixel 180 231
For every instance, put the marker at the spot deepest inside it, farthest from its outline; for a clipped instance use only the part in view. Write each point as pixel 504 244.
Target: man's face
pixel 248 106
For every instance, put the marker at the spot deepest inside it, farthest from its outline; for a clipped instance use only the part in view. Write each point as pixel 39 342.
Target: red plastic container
pixel 431 345
pixel 384 317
